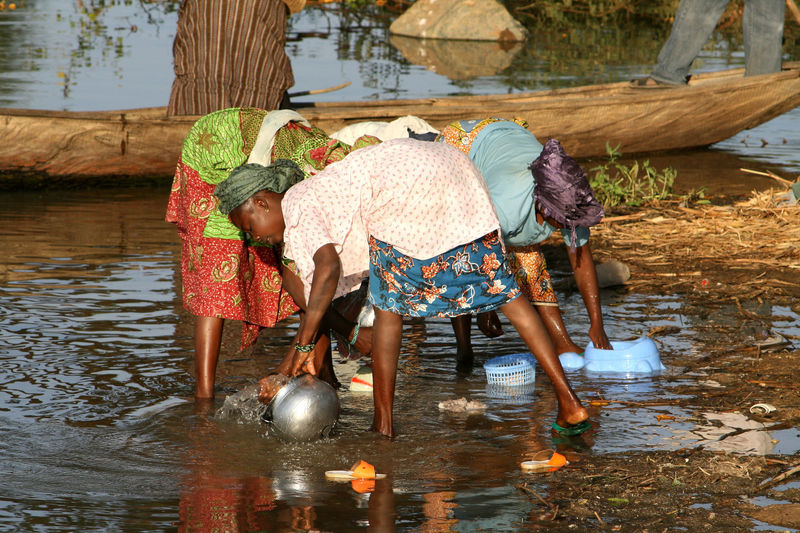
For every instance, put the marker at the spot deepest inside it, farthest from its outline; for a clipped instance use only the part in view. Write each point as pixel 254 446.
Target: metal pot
pixel 305 409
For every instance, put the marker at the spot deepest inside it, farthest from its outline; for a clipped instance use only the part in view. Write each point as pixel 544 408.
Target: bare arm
pixel 327 269
pixel 586 279
pixel 333 319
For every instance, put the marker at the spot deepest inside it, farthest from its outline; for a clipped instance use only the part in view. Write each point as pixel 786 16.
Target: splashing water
pixel 243 406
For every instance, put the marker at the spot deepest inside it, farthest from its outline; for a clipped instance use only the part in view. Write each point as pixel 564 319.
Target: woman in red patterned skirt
pixel 225 276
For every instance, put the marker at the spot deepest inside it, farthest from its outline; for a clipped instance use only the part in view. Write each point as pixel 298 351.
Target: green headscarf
pixel 246 180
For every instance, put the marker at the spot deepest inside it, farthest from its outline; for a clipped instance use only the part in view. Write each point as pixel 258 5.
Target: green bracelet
pixel 355 334
pixel 304 348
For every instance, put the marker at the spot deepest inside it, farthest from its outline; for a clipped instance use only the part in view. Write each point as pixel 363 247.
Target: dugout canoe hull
pixel 146 143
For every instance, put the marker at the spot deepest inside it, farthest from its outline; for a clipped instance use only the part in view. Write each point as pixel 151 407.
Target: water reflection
pixel 457 60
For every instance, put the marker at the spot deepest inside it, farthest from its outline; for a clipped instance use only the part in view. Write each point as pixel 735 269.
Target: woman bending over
pixel 416 218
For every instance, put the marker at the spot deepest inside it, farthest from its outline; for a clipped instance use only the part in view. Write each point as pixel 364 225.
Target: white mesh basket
pixel 510 370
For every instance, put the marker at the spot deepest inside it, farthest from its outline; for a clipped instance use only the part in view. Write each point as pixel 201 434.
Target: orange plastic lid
pixel 363 486
pixel 363 470
pixel 557 460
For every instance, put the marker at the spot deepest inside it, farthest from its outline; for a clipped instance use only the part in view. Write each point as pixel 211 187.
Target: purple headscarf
pixel 562 191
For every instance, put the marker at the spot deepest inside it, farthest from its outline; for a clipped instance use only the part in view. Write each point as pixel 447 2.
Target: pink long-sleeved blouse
pixel 424 198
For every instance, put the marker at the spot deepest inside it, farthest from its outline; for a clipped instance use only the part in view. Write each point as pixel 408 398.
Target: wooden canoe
pixel 143 143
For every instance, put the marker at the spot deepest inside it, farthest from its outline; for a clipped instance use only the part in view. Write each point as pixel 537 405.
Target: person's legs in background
pixel 554 323
pixel 465 357
pixel 694 22
pixel 762 29
pixel 526 321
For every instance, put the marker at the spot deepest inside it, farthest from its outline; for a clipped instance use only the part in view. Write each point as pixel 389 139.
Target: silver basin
pixel 305 409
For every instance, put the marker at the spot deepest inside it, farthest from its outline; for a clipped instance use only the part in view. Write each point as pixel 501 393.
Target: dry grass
pixel 676 248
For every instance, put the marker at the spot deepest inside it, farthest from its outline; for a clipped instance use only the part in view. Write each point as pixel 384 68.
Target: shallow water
pixel 98 427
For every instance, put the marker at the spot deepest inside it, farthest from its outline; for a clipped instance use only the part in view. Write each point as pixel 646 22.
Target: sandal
pixel 573 430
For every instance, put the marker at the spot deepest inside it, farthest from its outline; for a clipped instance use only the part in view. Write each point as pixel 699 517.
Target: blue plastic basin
pixel 571 361
pixel 639 356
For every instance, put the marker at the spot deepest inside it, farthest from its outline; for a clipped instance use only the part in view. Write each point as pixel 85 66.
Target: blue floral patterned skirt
pixel 470 278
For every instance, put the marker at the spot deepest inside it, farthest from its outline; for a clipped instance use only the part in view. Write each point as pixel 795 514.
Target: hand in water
pixel 598 336
pixel 270 385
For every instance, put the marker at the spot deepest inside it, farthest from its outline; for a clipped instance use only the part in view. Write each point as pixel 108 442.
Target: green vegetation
pixel 696 197
pixel 616 184
pixel 566 11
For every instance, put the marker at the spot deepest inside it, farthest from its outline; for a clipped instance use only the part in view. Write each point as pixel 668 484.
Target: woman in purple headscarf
pixel 535 191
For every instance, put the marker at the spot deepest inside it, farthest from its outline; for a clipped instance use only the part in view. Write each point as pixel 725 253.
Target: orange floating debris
pixel 599 402
pixel 360 470
pixel 544 461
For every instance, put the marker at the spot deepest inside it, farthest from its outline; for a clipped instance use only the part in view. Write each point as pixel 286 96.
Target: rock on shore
pixel 478 20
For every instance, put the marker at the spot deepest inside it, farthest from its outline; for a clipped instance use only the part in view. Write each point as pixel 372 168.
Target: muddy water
pixel 99 429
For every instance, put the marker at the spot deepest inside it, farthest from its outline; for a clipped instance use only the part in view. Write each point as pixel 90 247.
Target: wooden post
pixel 795 11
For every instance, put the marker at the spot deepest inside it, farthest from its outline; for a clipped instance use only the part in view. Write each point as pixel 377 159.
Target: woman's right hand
pixel 269 386
pixel 599 338
pixel 489 324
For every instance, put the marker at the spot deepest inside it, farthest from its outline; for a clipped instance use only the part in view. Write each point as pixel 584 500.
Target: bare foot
pixel 650 83
pixel 383 427
pixel 571 416
pixel 465 360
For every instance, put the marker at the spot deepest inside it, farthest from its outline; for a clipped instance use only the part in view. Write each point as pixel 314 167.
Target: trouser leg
pixel 694 22
pixel 762 29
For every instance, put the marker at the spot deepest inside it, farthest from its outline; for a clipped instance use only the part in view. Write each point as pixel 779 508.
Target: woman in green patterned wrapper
pixel 224 276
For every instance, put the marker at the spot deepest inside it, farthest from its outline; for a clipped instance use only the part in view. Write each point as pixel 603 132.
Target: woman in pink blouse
pixel 417 219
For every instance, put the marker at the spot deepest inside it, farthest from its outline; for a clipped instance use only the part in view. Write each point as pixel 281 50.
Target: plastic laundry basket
pixel 510 370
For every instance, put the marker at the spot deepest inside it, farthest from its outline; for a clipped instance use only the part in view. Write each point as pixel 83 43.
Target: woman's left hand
pixel 303 363
pixel 269 386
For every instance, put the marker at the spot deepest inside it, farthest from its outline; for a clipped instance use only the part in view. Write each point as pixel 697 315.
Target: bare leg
pixel 387 333
pixel 207 339
pixel 527 322
pixel 551 317
pixel 465 357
